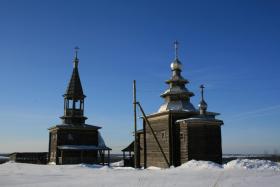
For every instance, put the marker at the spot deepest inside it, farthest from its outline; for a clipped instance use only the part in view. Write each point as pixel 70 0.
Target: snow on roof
pixel 82 147
pixel 200 118
pixel 177 106
pixel 83 126
pixel 101 142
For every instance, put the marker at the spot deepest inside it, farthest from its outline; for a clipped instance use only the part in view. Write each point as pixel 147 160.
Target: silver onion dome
pixel 202 105
pixel 176 65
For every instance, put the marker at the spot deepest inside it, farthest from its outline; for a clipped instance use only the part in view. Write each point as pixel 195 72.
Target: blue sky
pixel 230 46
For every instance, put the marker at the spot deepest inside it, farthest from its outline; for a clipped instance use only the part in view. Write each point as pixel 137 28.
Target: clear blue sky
pixel 230 46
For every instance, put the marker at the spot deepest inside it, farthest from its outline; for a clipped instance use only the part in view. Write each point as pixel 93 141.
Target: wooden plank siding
pixel 60 137
pixel 53 147
pixel 198 139
pixel 141 148
pixel 176 141
pixel 160 125
pixel 183 143
pixel 204 142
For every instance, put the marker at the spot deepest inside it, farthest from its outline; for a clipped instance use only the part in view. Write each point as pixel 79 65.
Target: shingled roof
pixel 130 148
pixel 75 89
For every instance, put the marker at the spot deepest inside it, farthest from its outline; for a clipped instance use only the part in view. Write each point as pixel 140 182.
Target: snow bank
pixel 154 168
pixel 123 168
pixel 95 166
pixel 117 164
pixel 252 164
pixel 194 164
pixel 234 164
pixel 193 173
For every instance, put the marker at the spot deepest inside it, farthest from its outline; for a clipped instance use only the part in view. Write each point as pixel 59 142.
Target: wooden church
pixel 74 141
pixel 180 131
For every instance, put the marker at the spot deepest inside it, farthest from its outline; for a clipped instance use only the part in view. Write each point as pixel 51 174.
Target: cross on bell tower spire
pixel 76 60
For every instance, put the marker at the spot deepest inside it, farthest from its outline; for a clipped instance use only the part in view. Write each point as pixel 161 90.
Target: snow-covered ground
pixel 193 173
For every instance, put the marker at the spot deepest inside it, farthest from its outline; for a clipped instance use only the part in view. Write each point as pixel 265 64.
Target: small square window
pixel 162 134
pixel 182 136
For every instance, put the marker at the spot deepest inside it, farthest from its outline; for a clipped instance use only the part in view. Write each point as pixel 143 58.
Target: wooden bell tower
pixel 74 141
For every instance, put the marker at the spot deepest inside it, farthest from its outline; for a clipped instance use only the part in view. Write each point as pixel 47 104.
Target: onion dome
pixel 202 104
pixel 176 65
pixel 177 96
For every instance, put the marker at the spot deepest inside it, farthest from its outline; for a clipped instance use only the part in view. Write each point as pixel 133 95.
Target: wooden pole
pixel 82 156
pixel 61 155
pixel 136 160
pixel 103 157
pixel 108 157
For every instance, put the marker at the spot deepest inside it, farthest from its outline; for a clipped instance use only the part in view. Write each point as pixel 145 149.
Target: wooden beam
pixel 108 157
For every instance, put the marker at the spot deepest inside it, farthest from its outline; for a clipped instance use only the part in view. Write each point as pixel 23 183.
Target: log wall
pixel 160 125
pixel 71 137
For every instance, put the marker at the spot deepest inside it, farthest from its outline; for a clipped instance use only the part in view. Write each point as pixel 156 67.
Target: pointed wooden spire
pixel 74 89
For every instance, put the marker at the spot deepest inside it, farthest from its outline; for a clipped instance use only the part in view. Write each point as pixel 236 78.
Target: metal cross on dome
pixel 176 44
pixel 202 90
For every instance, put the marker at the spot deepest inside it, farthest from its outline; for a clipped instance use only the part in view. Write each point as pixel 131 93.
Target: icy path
pixel 194 173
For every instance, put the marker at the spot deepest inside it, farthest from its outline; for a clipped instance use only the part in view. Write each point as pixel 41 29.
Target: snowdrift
pixel 193 164
pixel 241 172
pixel 252 164
pixel 234 164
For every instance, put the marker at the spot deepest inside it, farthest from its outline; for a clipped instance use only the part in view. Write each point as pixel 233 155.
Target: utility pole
pixel 136 160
